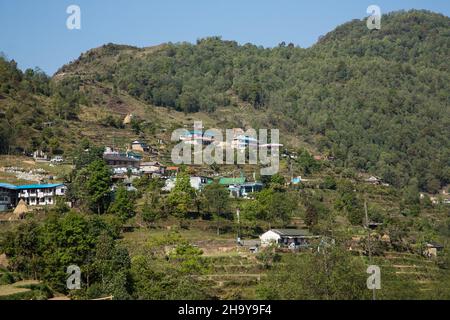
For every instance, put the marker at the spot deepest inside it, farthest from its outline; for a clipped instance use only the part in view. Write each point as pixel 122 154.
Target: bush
pixel 6 278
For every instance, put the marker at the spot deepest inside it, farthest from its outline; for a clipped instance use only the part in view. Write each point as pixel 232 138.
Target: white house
pixel 41 194
pixel 196 182
pixel 285 237
pixel 199 182
pixel 33 194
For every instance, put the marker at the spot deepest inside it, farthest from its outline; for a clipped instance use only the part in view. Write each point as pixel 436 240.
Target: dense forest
pixel 378 101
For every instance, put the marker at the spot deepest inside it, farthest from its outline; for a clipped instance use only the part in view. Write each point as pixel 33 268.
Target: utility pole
pixel 290 169
pixel 238 214
pixel 374 297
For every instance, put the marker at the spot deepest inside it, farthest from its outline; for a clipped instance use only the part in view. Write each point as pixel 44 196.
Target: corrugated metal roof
pixel 292 232
pixel 30 186
pixel 230 181
pixel 118 157
pixel 39 186
pixel 252 184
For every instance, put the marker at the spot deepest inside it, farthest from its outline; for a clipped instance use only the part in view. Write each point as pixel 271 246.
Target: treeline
pixel 44 250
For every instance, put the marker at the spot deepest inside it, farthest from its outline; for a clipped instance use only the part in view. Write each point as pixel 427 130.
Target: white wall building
pixel 40 194
pixel 285 237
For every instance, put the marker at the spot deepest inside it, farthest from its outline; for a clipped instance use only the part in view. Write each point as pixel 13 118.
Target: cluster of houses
pixel 240 140
pixel 31 195
pixel 126 166
pixel 301 239
pixel 237 187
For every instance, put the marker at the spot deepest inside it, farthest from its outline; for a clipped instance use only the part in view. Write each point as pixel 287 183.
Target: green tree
pixel 307 163
pixel 332 274
pixel 311 214
pixel 215 199
pixel 329 183
pixel 348 202
pixel 123 204
pixel 181 198
pixel 98 185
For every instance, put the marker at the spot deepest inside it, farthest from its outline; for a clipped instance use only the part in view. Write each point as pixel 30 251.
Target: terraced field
pixel 399 267
pixel 235 276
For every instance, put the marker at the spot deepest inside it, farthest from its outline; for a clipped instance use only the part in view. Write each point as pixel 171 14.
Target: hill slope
pixel 376 100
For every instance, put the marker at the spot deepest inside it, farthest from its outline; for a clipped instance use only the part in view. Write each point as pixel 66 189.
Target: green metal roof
pixel 230 181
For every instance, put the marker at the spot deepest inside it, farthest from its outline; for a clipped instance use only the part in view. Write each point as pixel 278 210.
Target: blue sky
pixel 34 33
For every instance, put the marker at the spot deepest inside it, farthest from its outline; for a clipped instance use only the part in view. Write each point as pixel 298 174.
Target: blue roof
pixel 8 186
pixel 30 186
pixel 200 133
pixel 39 186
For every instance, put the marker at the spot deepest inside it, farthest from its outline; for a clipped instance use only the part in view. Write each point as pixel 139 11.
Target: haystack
pixel 20 210
pixel 4 262
pixel 128 119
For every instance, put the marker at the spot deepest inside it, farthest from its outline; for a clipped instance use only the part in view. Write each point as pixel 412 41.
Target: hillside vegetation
pixel 378 101
pixel 375 102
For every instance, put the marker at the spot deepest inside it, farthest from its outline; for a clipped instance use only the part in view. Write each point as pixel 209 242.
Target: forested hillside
pixel 358 103
pixel 29 103
pixel 377 101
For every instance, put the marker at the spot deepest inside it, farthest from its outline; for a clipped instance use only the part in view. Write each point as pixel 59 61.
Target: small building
pixel 119 160
pixel 373 180
pixel 134 155
pixel 199 182
pixel 432 249
pixel 286 238
pixel 40 156
pixel 231 181
pixel 139 146
pixel 196 182
pixel 245 190
pixel 197 137
pixel 8 196
pixel 251 187
pixel 153 169
pixel 41 194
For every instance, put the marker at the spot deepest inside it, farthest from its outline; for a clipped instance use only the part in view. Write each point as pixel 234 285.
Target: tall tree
pixel 98 185
pixel 215 200
pixel 181 198
pixel 123 204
